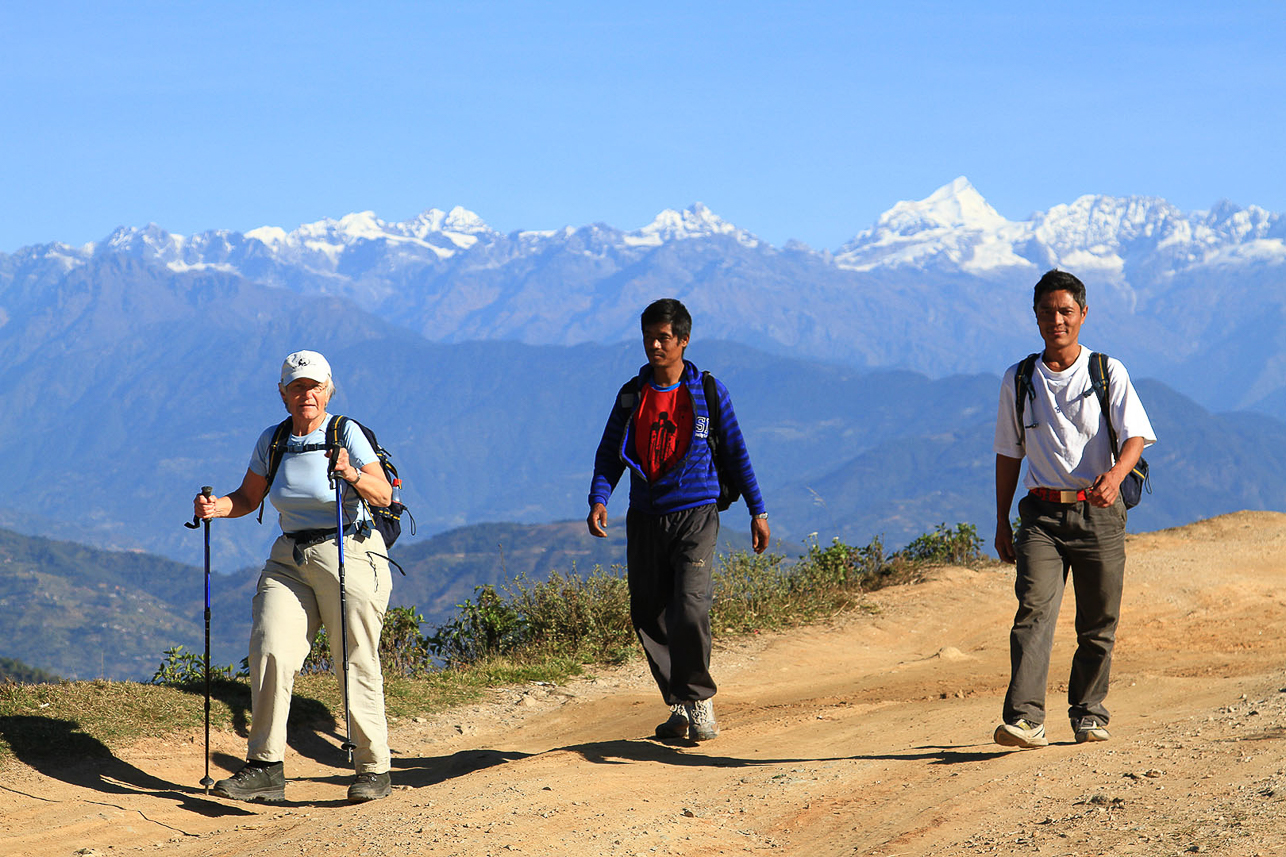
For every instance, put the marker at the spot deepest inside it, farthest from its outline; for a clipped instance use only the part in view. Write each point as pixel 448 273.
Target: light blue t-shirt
pixel 301 493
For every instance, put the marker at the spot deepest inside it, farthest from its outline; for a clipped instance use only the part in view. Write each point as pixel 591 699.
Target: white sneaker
pixel 702 725
pixel 1022 734
pixel 1089 729
pixel 677 725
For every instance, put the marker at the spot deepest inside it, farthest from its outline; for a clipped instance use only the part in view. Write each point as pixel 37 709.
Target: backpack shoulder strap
pixel 713 407
pixel 1099 381
pixel 334 429
pixel 628 396
pixel 1023 389
pixel 276 449
pixel 334 433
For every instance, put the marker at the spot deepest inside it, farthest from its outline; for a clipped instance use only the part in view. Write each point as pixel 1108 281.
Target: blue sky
pixel 792 120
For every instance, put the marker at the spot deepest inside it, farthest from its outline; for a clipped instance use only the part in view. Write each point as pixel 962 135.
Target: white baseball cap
pixel 304 364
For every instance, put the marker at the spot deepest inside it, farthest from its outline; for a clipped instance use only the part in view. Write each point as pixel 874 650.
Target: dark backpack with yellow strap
pixel 386 519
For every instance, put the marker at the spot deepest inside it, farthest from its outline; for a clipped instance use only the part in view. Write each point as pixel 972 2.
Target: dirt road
pixel 869 736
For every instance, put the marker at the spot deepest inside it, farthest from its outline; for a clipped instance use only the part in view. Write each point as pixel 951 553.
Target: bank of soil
pixel 870 735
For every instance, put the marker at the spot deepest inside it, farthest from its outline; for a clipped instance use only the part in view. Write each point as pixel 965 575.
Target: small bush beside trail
pixel 579 620
pixel 570 620
pixel 182 667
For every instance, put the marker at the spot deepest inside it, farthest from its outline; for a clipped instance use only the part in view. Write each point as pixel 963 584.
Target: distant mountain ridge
pixel 955 227
pixel 938 286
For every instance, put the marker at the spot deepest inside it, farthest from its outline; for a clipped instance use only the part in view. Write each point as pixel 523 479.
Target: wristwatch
pixel 762 516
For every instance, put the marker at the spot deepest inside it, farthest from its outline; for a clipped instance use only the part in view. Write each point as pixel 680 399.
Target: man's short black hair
pixel 668 311
pixel 1059 281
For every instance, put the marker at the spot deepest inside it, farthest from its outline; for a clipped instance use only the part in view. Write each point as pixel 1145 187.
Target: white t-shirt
pixel 1066 440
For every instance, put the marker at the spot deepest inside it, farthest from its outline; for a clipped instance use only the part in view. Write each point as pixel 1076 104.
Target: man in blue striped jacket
pixel 659 430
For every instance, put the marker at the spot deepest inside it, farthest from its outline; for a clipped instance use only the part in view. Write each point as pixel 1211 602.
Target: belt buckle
pixel 1067 497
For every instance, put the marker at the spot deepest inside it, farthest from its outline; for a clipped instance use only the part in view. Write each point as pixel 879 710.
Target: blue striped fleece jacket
pixel 692 481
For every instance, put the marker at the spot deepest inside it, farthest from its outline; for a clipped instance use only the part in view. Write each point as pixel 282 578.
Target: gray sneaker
pixel 677 725
pixel 1022 734
pixel 1088 729
pixel 701 723
pixel 369 787
pixel 255 782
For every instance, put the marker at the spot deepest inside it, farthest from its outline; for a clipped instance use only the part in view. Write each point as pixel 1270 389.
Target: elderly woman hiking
pixel 299 588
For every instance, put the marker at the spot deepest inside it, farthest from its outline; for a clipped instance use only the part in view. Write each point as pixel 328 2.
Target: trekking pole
pixel 348 746
pixel 206 781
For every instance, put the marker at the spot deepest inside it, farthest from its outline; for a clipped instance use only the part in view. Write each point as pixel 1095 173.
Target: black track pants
pixel 671 559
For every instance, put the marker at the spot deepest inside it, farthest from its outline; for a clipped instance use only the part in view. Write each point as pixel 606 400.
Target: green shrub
pixel 750 591
pixel 182 667
pixel 764 592
pixel 570 619
pixel 584 619
pixel 945 546
pixel 484 627
pixel 403 649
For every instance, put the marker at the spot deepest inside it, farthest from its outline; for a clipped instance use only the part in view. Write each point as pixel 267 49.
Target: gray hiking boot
pixel 1022 734
pixel 369 787
pixel 1088 729
pixel 677 725
pixel 266 782
pixel 701 723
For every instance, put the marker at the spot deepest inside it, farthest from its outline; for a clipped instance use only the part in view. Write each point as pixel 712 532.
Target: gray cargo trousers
pixel 1052 539
pixel 670 560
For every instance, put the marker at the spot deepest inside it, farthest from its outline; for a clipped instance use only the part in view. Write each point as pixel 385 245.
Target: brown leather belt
pixel 1053 495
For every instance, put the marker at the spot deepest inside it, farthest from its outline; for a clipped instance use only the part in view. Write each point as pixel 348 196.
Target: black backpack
pixel 729 493
pixel 386 519
pixel 1138 480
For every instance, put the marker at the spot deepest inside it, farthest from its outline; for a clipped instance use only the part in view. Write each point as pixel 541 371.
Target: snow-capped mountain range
pixel 952 230
pixel 327 246
pixel 955 229
pixel 938 285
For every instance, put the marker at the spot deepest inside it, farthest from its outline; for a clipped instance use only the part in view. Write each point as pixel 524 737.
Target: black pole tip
pixel 207 490
pixel 206 782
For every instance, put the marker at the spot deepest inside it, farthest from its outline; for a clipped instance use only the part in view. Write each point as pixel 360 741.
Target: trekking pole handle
pixel 208 492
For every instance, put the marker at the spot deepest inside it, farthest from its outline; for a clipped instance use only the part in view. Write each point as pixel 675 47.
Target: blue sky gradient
pixel 792 120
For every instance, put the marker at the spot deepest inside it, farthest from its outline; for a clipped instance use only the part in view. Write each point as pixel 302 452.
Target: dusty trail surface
pixel 868 736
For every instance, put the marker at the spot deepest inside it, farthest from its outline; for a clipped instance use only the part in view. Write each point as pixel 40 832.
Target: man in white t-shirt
pixel 1072 516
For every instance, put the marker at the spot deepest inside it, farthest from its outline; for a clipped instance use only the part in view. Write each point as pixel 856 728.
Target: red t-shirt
pixel 662 427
